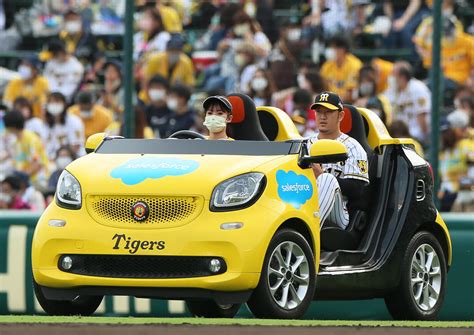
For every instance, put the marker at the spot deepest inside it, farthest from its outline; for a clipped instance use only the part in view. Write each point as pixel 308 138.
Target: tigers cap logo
pixel 140 211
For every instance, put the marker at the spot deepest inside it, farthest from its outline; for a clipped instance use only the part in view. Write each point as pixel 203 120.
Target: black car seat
pixel 245 124
pixel 333 237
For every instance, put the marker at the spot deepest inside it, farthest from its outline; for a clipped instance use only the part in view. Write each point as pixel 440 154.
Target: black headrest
pixel 353 125
pixel 245 124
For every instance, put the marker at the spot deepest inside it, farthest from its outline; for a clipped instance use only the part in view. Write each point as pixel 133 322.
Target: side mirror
pixel 94 141
pixel 324 151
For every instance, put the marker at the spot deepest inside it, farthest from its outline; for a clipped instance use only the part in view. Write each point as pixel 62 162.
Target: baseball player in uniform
pixel 337 183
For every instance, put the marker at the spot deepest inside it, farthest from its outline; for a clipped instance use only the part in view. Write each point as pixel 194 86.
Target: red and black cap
pixel 220 99
pixel 329 100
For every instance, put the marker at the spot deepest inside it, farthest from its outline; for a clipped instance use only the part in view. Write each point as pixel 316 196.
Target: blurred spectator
pixel 112 96
pixel 367 92
pixel 464 102
pixel 262 88
pixel 63 157
pixel 455 150
pixel 173 64
pixel 383 69
pixel 29 194
pixel 182 117
pixel 302 100
pixel 32 123
pixel 202 16
pixel 78 41
pixel 329 16
pixel 152 36
pixel 10 197
pixel 457 52
pixel 171 19
pixel 142 130
pixel 248 30
pixel 30 85
pixel 341 68
pixel 62 128
pixel 156 109
pixel 405 16
pixel 64 72
pixel 94 73
pixel 95 117
pixel 410 100
pixel 399 129
pixel 246 61
pixel 23 150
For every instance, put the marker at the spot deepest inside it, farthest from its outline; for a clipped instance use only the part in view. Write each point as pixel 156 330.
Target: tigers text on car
pixel 223 223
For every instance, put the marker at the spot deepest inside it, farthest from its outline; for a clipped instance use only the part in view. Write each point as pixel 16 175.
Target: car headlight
pixel 237 192
pixel 68 191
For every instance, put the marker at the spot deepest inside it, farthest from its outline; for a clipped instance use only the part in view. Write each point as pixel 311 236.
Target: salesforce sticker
pixel 137 170
pixel 293 188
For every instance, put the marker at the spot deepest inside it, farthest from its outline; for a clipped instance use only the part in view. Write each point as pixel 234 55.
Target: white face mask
pixel 215 123
pixel 157 94
pixel 25 72
pixel 86 114
pixel 62 162
pixel 55 108
pixel 172 104
pixel 73 27
pixel 294 34
pixel 302 82
pixel 240 60
pixel 330 54
pixel 259 84
pixel 241 29
pixel 366 89
pixel 7 198
pixel 392 82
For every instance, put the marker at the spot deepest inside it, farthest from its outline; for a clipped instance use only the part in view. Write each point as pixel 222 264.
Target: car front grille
pixel 164 212
pixel 145 267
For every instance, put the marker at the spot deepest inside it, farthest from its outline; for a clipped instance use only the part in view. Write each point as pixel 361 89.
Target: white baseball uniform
pixel 332 203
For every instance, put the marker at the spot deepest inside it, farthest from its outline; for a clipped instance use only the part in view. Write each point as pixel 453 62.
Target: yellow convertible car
pixel 223 223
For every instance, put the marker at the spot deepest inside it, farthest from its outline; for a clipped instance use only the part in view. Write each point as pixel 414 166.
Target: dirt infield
pixel 91 329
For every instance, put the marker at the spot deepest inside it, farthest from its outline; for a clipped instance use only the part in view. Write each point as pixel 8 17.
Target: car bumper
pixel 243 250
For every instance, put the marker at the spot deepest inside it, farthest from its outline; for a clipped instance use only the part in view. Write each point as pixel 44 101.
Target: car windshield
pixel 205 147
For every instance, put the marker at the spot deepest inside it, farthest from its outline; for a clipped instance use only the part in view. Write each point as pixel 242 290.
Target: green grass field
pixel 227 322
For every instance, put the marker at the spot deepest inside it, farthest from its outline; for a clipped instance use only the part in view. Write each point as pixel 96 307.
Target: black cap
pixel 329 100
pixel 220 99
pixel 176 42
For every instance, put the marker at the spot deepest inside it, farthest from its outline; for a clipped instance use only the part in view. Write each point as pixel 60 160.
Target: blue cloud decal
pixel 137 170
pixel 293 188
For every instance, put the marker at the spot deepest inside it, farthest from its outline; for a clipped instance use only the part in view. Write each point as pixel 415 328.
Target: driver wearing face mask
pixel 218 111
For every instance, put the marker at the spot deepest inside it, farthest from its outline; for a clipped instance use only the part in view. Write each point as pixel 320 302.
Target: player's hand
pixel 317 169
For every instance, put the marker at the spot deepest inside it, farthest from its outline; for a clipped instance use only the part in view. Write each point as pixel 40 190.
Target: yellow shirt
pixel 35 93
pixel 344 78
pixel 29 149
pixel 182 73
pixel 453 164
pixel 383 68
pixel 457 56
pixel 100 120
pixel 171 19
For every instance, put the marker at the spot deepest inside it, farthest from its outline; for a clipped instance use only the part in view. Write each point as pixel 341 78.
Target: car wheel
pixel 81 305
pixel 288 277
pixel 421 291
pixel 211 309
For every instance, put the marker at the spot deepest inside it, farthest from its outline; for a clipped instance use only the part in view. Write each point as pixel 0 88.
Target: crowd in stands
pixel 186 50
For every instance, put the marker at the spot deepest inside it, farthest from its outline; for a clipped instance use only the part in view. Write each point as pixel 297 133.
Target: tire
pixel 81 305
pixel 420 294
pixel 278 280
pixel 210 309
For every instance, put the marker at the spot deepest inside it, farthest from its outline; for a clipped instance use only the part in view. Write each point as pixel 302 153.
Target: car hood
pixel 150 174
